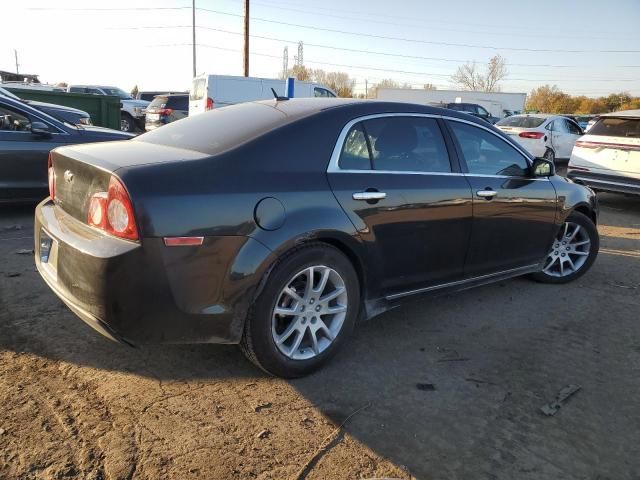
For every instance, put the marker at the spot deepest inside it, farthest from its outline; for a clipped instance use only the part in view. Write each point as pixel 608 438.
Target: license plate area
pixel 153 116
pixel 48 253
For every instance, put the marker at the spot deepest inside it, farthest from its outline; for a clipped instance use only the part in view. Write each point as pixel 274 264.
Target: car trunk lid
pixel 83 170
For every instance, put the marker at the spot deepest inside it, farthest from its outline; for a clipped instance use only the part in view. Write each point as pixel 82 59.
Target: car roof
pixel 29 109
pixel 623 113
pixel 302 107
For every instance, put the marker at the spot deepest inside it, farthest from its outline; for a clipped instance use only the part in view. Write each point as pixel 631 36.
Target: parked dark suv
pixel 166 109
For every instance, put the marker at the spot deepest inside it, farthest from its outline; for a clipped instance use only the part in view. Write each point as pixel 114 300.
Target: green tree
pixel 134 91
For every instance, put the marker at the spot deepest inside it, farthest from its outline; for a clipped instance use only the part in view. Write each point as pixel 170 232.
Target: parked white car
pixel 608 156
pixel 214 91
pixel 544 136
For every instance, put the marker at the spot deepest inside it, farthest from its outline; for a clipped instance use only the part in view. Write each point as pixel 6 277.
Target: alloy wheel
pixel 570 251
pixel 125 126
pixel 309 312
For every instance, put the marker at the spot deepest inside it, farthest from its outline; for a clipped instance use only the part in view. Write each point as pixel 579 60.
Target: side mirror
pixel 543 168
pixel 39 128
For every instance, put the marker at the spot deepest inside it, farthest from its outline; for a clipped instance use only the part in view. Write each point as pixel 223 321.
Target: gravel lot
pixel 442 388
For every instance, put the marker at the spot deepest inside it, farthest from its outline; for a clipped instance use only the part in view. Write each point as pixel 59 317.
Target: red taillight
pixel 209 103
pixel 52 178
pixel 165 111
pixel 536 135
pixel 112 211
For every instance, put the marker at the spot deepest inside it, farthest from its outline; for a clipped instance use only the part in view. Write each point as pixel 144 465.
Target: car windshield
pixel 118 92
pixel 617 127
pixel 522 122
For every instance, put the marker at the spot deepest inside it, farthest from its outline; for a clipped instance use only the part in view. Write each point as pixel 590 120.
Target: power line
pixel 425 74
pixel 414 40
pixel 372 52
pixel 433 27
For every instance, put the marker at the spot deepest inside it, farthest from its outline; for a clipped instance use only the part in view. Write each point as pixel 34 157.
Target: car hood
pixel 136 103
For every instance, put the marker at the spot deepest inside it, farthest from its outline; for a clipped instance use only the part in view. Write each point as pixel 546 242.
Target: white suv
pixel 608 156
pixel 132 111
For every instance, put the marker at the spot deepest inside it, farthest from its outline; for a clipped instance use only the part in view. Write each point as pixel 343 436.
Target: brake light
pixel 209 103
pixel 535 135
pixel 165 111
pixel 51 174
pixel 112 211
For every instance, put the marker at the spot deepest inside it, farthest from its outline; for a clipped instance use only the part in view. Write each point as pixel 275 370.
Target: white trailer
pixel 499 104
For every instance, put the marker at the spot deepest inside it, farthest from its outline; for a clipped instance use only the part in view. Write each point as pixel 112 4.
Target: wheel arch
pixel 586 210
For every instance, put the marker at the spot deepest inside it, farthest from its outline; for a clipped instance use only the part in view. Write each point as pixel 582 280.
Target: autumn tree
pixel 134 91
pixel 469 76
pixel 429 86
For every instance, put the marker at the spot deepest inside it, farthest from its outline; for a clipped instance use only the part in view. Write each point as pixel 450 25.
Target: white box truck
pixel 499 104
pixel 214 91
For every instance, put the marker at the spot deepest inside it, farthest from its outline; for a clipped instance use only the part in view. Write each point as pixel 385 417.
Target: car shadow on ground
pixel 454 382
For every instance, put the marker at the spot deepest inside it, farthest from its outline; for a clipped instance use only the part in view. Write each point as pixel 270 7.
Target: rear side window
pixel 522 122
pixel 486 153
pixel 178 103
pixel 355 152
pixel 197 89
pixel 616 127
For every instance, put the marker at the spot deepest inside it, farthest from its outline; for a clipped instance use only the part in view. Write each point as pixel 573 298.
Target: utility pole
pixel 246 38
pixel 366 88
pixel 15 52
pixel 193 33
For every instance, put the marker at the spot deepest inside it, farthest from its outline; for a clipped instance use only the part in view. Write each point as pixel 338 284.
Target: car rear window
pixel 616 127
pixel 179 102
pixel 522 122
pixel 159 101
pixel 221 129
pixel 197 89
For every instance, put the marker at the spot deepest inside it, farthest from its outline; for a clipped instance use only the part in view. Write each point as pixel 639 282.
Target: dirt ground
pixel 438 389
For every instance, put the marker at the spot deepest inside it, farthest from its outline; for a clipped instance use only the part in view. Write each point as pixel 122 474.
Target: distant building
pixel 18 77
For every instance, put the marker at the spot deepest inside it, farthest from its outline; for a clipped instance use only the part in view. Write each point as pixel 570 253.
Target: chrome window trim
pixel 334 166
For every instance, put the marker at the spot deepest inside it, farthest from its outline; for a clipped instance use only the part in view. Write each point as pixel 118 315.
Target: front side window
pixel 12 120
pixel 486 153
pixel 355 152
pixel 321 92
pixel 483 112
pixel 407 144
pixel 574 129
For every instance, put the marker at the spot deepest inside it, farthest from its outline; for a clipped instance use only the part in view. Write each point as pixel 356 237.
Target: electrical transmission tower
pixel 285 62
pixel 300 57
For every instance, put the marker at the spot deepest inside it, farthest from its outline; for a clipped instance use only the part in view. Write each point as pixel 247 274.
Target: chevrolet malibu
pixel 279 224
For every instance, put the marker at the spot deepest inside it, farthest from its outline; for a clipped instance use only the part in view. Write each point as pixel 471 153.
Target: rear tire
pixel 550 156
pixel 574 250
pixel 290 330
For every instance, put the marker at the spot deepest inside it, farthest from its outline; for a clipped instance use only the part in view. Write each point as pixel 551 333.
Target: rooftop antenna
pixel 278 97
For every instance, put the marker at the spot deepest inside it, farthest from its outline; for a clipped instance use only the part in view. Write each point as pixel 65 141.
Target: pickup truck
pixel 132 111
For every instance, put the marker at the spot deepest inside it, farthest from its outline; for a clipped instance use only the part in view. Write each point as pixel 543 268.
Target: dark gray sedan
pixel 27 135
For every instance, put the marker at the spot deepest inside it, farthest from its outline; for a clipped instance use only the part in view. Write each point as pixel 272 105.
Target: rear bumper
pixel 145 292
pixel 609 183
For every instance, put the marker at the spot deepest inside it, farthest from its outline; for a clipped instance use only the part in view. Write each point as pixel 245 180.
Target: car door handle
pixel 369 195
pixel 488 194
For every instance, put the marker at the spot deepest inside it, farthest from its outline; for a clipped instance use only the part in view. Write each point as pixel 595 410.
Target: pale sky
pixel 588 47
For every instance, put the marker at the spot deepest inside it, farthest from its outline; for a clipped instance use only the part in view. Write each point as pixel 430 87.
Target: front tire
pixel 305 312
pixel 574 250
pixel 127 124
